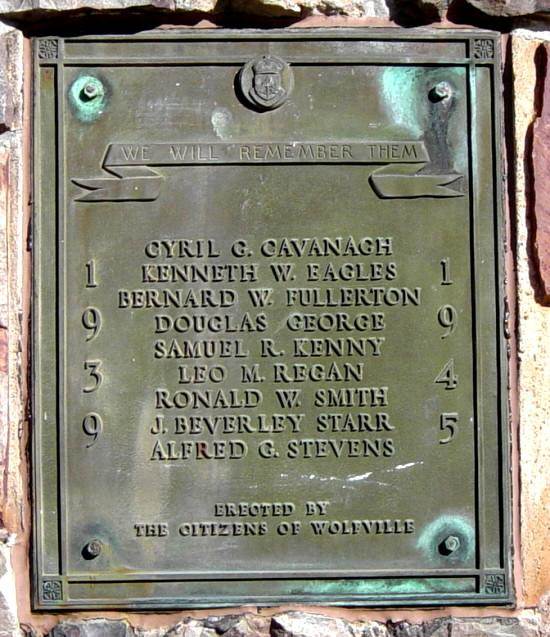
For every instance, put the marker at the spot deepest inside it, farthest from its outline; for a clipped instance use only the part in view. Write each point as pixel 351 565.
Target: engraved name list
pixel 201 318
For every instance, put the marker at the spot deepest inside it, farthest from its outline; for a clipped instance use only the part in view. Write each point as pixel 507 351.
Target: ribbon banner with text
pixel 405 171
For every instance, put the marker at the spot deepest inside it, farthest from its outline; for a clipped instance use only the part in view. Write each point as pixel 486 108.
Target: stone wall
pixel 526 44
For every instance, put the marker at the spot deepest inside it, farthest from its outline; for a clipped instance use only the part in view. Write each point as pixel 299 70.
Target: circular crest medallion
pixel 266 82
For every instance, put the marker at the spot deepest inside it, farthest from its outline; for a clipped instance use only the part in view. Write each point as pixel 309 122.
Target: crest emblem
pixel 266 82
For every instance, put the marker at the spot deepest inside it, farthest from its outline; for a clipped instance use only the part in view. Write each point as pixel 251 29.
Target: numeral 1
pixel 90 274
pixel 446 271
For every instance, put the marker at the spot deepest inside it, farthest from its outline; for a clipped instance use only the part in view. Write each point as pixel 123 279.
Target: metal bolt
pixel 90 90
pixel 92 549
pixel 451 544
pixel 441 91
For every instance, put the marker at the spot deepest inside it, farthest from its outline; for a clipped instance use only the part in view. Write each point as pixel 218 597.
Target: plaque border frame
pixel 51 586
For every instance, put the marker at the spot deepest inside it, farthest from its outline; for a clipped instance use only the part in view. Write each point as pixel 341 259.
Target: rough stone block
pixel 247 626
pixel 271 8
pixel 533 322
pixel 406 629
pixel 416 12
pixel 10 87
pixel 8 614
pixel 510 8
pixel 299 624
pixel 191 628
pixel 489 627
pixel 93 628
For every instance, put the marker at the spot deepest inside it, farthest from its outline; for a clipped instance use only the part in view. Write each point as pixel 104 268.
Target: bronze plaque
pixel 268 315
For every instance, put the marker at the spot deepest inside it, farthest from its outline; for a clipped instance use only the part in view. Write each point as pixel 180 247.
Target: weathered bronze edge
pixel 496 268
pixel 467 36
pixel 36 557
pixel 505 423
pixel 367 601
pixel 36 526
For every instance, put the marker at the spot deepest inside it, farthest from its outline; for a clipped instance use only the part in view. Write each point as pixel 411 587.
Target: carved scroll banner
pixel 134 179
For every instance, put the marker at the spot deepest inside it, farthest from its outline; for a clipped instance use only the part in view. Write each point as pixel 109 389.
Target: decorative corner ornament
pixel 48 49
pixel 266 82
pixel 495 584
pixel 52 590
pixel 484 49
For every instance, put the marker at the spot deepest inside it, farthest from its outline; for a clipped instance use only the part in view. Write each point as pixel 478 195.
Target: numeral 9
pixel 92 425
pixel 447 318
pixel 91 319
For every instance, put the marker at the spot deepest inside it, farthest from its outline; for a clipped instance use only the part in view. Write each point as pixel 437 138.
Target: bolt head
pixel 441 91
pixel 452 543
pixel 92 549
pixel 90 90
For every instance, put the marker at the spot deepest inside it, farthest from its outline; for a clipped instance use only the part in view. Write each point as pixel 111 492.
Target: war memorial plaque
pixel 268 320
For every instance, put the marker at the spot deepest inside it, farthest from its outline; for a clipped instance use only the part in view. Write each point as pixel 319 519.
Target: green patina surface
pixel 408 586
pixel 403 90
pixel 429 541
pixel 88 109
